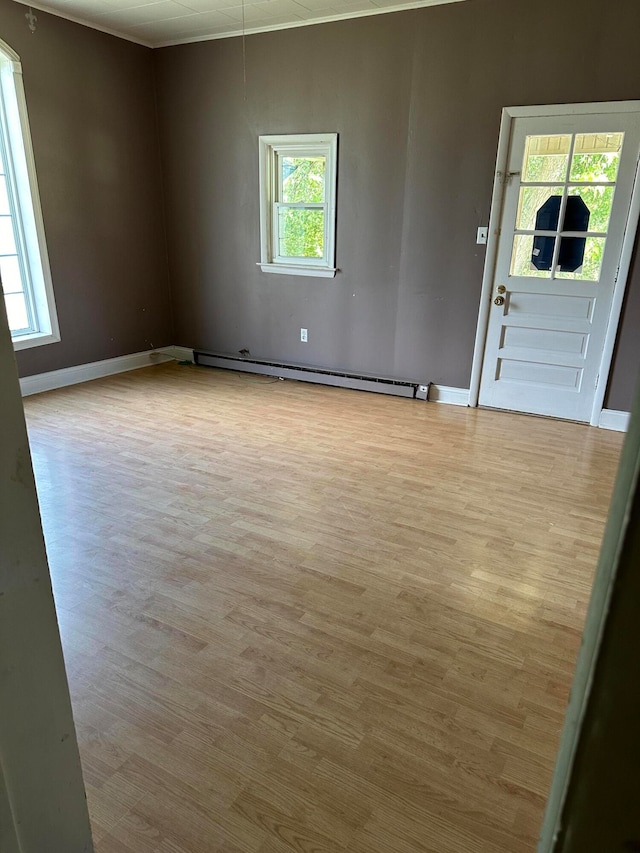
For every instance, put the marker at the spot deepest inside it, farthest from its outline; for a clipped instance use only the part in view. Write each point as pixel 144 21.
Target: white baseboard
pixel 179 353
pixel 447 394
pixel 612 419
pixel 94 370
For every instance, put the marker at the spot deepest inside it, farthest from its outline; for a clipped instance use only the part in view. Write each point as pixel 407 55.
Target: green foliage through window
pixel 300 230
pixel 301 233
pixel 303 179
pixel 546 159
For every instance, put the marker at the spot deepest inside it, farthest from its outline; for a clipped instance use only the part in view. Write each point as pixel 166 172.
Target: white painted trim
pixel 86 372
pixel 490 256
pixel 619 289
pixel 178 353
pixel 447 394
pixel 270 147
pixel 31 242
pixel 612 419
pixel 345 16
pixel 293 269
pixel 508 115
pixel 10 53
pixel 58 13
pixel 35 339
pixel 590 108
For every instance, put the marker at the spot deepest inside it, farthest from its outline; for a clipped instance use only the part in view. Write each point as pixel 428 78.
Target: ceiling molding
pixel 346 16
pixel 129 33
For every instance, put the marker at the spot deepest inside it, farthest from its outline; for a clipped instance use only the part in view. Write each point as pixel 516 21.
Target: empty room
pixel 318 364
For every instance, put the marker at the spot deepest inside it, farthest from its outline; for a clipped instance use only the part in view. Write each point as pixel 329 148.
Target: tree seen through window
pixel 301 229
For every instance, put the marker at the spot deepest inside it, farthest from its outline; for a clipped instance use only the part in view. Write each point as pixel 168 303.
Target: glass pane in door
pixel 599 201
pixel 581 262
pixel 596 157
pixel 529 260
pixel 530 202
pixel 546 158
pixel 567 189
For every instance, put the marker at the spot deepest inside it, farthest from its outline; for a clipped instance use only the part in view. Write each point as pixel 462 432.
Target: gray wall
pixel 90 99
pixel 416 98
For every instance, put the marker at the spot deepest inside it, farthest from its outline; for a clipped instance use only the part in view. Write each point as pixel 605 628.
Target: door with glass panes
pixel 567 194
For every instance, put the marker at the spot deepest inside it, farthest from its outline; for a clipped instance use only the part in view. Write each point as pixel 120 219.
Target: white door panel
pixel 525 338
pixel 567 193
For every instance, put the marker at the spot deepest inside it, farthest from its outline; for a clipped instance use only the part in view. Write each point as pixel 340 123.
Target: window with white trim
pixel 298 203
pixel 24 265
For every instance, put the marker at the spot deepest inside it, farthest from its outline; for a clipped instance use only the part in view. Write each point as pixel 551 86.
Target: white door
pixel 567 193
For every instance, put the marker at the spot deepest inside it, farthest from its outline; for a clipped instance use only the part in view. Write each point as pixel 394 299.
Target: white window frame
pixel 296 145
pixel 26 211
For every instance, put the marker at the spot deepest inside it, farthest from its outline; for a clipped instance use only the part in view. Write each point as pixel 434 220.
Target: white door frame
pixel 508 116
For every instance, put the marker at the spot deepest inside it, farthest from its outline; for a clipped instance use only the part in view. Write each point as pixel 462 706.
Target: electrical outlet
pixel 303 335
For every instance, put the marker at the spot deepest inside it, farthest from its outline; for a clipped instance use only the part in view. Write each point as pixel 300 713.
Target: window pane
pixel 16 312
pixel 4 198
pixel 576 215
pixel 546 158
pixel 301 233
pixel 7 240
pixel 599 200
pixel 531 200
pixel 10 274
pixel 596 156
pixel 532 256
pixel 303 179
pixel 570 250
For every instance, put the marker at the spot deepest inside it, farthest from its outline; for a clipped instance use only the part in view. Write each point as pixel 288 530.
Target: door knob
pixel 499 300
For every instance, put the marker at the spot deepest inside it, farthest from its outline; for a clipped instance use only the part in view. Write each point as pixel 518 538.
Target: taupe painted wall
pixel 91 105
pixel 416 98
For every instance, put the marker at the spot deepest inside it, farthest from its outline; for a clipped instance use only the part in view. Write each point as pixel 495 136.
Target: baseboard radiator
pixel 305 373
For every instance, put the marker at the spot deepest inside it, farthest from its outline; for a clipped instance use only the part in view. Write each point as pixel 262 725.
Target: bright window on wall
pixel 24 266
pixel 298 203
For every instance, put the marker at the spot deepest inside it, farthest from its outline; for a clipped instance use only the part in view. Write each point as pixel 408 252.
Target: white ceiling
pixel 157 23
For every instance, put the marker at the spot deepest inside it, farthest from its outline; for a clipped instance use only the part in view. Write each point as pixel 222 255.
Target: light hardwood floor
pixel 306 619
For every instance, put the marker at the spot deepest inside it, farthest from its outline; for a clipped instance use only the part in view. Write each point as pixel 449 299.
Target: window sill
pixel 37 339
pixel 298 269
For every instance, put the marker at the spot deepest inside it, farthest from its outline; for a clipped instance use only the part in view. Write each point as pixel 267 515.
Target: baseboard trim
pixel 110 366
pixel 85 372
pixel 178 353
pixel 447 394
pixel 613 419
pixel 39 382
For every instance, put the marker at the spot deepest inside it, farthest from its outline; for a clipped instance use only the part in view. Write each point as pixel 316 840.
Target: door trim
pixel 497 199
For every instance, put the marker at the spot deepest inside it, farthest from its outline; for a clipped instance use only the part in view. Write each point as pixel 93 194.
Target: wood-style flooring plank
pixel 301 619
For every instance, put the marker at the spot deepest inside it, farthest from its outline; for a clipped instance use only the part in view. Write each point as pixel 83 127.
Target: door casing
pixel 509 114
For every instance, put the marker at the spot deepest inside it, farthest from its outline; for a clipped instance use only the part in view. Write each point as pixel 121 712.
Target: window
pixel 24 266
pixel 298 203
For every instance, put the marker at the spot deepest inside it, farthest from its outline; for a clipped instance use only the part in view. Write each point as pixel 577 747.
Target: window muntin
pixel 297 203
pixel 566 197
pixel 24 267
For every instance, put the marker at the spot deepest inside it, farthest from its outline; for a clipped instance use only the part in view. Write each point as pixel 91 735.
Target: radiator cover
pixel 320 376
